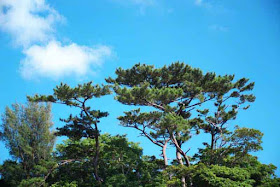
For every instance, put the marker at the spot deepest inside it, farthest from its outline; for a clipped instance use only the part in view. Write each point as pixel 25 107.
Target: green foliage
pixel 246 140
pixel 220 176
pixel 121 162
pixel 235 147
pixel 84 125
pixel 180 100
pixel 262 174
pixel 26 133
pixel 65 184
pixel 174 91
pixel 77 126
pixel 12 172
pixel 202 175
pixel 234 154
pixel 32 182
pixel 70 96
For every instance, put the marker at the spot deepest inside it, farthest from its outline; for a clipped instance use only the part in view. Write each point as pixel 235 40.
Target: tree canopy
pixel 174 92
pixel 170 105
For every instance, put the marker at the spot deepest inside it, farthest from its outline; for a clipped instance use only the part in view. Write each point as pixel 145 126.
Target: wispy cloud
pixel 216 27
pixel 141 5
pixel 215 7
pixel 137 2
pixel 143 2
pixel 198 2
pixel 31 25
pixel 203 3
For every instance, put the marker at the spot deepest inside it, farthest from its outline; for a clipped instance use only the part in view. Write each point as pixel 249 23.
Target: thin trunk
pixel 97 147
pixel 158 143
pixel 96 158
pixel 212 140
pixel 180 160
pixel 179 153
pixel 164 154
pixel 179 149
pixel 213 147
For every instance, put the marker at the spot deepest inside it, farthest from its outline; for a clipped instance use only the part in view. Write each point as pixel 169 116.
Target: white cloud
pixel 31 24
pixel 28 21
pixel 56 60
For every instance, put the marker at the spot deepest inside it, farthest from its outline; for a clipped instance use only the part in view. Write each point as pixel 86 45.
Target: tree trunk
pixel 213 147
pixel 96 158
pixel 179 149
pixel 97 147
pixel 164 154
pixel 212 141
pixel 179 154
pixel 179 158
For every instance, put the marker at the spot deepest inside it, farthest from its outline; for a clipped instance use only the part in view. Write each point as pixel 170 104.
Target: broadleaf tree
pixel 122 163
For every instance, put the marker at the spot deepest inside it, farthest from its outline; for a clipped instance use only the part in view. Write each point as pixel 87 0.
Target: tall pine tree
pixel 85 124
pixel 174 92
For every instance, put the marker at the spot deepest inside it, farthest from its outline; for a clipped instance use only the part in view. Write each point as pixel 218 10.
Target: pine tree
pixel 174 92
pixel 85 124
pixel 225 108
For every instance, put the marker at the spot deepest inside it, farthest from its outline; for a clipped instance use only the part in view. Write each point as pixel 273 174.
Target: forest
pixel 171 105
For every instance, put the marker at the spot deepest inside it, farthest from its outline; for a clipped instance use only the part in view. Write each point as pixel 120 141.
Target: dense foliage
pixel 26 133
pixel 181 102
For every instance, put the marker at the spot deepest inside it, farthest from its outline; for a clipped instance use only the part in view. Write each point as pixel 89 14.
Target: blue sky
pixel 43 43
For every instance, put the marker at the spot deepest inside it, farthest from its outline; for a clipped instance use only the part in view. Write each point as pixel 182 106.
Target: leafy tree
pixel 12 173
pixel 26 133
pixel 262 174
pixel 121 163
pixel 235 154
pixel 84 125
pixel 245 140
pixel 236 146
pixel 254 174
pixel 220 176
